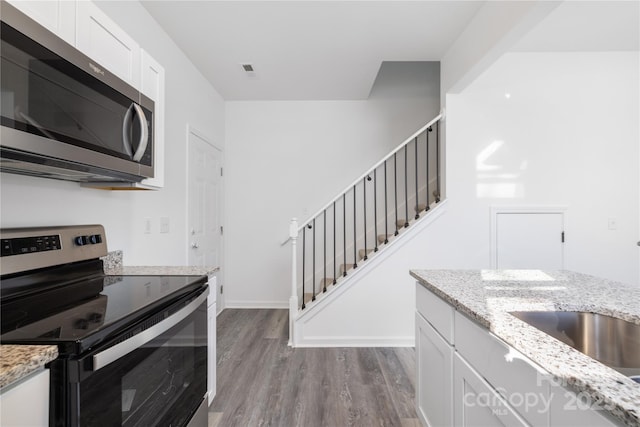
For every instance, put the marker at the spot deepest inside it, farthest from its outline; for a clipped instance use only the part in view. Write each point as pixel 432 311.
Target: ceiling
pixel 586 26
pixel 308 49
pixel 333 50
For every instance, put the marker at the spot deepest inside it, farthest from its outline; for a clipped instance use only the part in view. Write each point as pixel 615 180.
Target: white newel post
pixel 293 300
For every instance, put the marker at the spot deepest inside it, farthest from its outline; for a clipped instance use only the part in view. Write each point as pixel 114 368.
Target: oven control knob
pixel 95 238
pixel 81 240
pixel 81 324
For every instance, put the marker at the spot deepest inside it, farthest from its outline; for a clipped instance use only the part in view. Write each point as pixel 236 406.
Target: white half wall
pixel 375 305
pixel 190 99
pixel 540 129
pixel 286 159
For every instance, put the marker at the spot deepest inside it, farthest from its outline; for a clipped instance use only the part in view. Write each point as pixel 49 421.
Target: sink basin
pixel 611 341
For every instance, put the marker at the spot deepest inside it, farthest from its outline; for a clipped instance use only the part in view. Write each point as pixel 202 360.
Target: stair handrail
pixel 369 171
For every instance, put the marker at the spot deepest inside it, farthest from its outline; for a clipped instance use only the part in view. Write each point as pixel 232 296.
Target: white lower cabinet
pixel 467 376
pixel 434 359
pixel 26 403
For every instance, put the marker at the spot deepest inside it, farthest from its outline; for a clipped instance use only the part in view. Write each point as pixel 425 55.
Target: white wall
pixel 567 135
pixel 189 99
pixel 287 159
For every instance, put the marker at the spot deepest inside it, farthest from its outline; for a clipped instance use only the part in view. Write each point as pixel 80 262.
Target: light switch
pixel 164 224
pixel 147 225
pixel 613 223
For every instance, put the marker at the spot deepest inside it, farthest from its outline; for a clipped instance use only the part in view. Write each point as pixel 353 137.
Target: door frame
pixel 526 209
pixel 191 130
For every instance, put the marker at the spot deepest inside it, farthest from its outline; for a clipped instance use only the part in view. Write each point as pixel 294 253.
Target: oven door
pixel 157 377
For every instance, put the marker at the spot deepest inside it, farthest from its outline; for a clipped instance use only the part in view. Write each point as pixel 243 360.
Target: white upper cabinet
pixel 152 86
pixel 98 37
pixel 57 16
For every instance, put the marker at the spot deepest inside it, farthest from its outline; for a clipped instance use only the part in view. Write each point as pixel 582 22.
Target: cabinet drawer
pixel 477 403
pixel 514 376
pixel 436 311
pixel 27 402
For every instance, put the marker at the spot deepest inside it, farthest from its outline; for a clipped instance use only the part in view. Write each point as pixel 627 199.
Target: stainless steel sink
pixel 612 341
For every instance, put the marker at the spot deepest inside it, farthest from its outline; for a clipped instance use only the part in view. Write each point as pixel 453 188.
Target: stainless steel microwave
pixel 64 116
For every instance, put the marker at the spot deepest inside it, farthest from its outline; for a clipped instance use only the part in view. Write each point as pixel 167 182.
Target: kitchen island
pixel 487 296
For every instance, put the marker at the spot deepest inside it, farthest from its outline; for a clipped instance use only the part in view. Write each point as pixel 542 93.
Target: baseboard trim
pixel 356 342
pixel 256 304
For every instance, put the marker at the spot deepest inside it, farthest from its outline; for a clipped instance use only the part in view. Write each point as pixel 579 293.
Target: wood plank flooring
pixel 263 382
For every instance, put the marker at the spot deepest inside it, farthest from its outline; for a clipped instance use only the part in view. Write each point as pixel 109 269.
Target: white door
pixel 529 240
pixel 204 204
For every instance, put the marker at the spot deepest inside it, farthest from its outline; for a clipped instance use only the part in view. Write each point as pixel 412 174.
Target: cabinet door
pixel 26 403
pixel 569 409
pixel 152 86
pixel 434 368
pixel 476 403
pixel 102 40
pixel 211 348
pixel 57 16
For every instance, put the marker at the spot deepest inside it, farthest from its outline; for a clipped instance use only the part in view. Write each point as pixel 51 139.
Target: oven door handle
pixel 119 350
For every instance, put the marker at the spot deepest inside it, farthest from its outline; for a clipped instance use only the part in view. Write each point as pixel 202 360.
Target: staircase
pixel 378 208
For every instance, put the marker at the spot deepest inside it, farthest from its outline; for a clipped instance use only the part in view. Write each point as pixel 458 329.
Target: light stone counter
pixel 488 296
pixel 18 361
pixel 113 267
pixel 161 271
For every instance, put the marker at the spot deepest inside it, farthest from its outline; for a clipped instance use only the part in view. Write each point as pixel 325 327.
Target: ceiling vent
pixel 249 71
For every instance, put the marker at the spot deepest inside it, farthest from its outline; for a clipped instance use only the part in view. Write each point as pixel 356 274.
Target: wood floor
pixel 263 382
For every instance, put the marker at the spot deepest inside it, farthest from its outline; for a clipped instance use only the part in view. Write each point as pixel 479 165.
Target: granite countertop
pixel 160 270
pixel 113 267
pixel 18 361
pixel 487 296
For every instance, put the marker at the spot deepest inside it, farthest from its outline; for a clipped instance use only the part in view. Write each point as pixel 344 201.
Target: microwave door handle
pixel 144 133
pixel 102 359
pixel 126 125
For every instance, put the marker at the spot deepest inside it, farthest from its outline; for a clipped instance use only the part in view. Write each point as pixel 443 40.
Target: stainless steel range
pixel 133 349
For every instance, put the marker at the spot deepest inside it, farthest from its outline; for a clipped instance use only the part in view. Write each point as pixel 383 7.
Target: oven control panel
pixel 27 245
pixel 26 249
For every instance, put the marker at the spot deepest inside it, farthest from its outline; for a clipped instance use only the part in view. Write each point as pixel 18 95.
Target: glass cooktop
pixel 88 311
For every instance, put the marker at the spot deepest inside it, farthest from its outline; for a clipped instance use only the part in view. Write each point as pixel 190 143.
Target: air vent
pixel 248 68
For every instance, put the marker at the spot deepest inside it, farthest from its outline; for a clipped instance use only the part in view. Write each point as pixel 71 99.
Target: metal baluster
pixel 344 230
pixel 304 250
pixel 386 207
pixel 438 160
pixel 395 188
pixel 406 190
pixel 334 243
pixel 324 246
pixel 313 272
pixel 429 129
pixel 415 143
pixel 375 210
pixel 355 249
pixel 364 211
